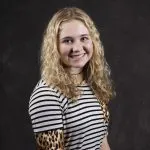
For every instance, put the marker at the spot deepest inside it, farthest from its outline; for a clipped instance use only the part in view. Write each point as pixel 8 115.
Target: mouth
pixel 77 56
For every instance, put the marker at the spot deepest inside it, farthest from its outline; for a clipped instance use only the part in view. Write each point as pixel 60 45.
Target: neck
pixel 77 78
pixel 73 74
pixel 74 71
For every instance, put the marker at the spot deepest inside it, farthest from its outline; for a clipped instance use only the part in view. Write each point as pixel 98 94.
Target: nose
pixel 77 46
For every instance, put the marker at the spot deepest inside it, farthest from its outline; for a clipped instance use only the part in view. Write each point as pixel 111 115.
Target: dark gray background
pixel 125 33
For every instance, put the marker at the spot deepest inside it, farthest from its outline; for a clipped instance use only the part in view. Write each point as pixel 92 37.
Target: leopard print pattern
pixel 50 140
pixel 105 112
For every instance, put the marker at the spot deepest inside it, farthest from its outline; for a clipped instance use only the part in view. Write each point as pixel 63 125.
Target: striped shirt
pixel 82 121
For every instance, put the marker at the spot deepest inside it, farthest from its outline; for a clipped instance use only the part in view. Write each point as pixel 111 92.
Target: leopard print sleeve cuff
pixel 50 140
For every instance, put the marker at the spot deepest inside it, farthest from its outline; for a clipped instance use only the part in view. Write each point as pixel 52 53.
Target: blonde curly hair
pixel 96 71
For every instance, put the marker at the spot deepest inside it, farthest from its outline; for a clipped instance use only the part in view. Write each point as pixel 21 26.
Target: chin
pixel 79 66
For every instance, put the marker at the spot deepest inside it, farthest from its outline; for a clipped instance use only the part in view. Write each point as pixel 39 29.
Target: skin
pixel 105 145
pixel 75 45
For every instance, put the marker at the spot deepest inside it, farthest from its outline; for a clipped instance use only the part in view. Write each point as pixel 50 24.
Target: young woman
pixel 68 107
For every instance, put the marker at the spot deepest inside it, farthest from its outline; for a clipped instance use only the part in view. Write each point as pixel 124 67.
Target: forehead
pixel 73 28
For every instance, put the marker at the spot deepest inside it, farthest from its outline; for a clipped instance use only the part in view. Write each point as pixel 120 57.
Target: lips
pixel 77 56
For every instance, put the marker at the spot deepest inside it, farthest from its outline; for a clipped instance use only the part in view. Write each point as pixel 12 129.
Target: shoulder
pixel 41 85
pixel 43 94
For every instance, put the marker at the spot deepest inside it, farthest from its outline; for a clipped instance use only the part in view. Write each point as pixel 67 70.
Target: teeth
pixel 77 55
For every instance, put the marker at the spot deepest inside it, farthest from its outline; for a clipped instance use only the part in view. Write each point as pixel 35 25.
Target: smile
pixel 77 56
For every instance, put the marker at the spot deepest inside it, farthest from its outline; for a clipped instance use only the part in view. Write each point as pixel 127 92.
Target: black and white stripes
pixel 82 121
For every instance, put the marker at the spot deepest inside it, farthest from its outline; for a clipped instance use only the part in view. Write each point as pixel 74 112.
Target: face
pixel 75 45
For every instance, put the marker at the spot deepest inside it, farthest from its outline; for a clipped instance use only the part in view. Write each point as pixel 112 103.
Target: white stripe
pixel 47 123
pixel 49 101
pixel 45 108
pixel 44 113
pixel 47 128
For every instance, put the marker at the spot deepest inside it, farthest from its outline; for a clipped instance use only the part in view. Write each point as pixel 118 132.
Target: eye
pixel 68 41
pixel 84 38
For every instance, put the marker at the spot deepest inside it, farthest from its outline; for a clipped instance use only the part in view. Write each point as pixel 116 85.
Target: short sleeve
pixel 45 109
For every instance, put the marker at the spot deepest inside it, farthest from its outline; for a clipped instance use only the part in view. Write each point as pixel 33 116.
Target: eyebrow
pixel 69 37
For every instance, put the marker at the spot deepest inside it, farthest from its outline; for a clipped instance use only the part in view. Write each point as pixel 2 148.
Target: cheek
pixel 64 52
pixel 90 48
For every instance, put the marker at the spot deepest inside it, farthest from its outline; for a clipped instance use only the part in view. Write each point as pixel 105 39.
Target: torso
pixel 84 124
pixel 82 121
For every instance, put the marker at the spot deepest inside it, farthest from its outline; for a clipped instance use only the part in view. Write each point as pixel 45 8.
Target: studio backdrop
pixel 124 27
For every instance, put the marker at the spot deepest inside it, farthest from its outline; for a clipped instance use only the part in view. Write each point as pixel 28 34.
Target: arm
pixel 46 118
pixel 50 140
pixel 105 145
